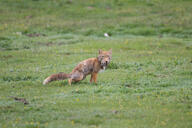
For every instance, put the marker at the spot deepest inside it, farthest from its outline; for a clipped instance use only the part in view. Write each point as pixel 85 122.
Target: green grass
pixel 148 83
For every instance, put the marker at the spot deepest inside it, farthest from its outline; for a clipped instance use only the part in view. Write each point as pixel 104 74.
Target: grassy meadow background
pixel 147 85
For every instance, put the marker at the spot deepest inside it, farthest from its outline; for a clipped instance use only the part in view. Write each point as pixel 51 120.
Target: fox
pixel 91 66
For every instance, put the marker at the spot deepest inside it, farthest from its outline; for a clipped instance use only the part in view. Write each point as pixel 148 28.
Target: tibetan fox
pixel 89 66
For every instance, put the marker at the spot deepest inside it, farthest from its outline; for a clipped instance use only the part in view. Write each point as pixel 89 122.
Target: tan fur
pixel 89 66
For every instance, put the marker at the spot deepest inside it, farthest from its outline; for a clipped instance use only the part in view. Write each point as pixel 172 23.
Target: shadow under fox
pixel 89 66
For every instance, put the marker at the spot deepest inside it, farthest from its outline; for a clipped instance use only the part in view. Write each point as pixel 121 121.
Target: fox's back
pixel 86 66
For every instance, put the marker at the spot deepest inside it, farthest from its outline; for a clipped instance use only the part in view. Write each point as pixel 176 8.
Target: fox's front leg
pixel 93 77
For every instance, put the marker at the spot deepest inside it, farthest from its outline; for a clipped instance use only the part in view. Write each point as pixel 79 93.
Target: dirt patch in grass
pixel 35 35
pixel 23 100
pixel 18 78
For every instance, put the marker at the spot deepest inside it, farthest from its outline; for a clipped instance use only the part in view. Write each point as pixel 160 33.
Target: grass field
pixel 147 85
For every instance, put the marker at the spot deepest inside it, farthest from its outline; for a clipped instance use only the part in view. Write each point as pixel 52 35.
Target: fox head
pixel 104 58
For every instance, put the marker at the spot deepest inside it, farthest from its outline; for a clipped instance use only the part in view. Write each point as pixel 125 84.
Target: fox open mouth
pixel 103 67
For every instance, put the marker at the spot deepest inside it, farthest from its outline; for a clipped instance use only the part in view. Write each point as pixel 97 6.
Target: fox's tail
pixel 58 76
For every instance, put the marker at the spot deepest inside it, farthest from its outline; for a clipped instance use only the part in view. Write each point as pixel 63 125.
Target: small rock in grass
pixel 106 34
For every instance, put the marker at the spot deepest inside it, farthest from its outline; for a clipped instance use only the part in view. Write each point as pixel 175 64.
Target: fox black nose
pixel 106 62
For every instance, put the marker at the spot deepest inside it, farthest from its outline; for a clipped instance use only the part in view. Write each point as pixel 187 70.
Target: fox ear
pixel 110 51
pixel 100 51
